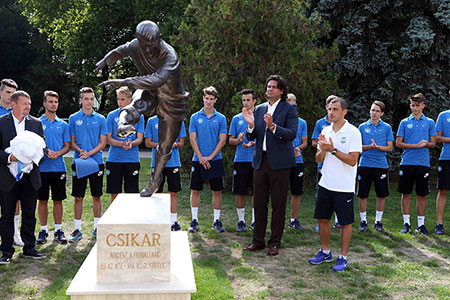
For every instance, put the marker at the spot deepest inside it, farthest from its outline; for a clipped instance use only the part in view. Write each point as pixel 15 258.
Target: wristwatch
pixel 334 151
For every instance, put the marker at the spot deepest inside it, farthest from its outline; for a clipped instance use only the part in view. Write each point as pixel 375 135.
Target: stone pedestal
pixel 136 255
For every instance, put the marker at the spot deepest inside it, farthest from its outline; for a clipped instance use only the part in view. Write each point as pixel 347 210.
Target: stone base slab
pixel 84 286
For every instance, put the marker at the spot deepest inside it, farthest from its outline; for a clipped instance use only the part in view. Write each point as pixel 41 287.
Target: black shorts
pixel 242 178
pixel 409 175
pixel 95 183
pixel 444 175
pixel 116 173
pixel 57 182
pixel 296 180
pixel 197 181
pixel 328 201
pixel 173 175
pixel 380 178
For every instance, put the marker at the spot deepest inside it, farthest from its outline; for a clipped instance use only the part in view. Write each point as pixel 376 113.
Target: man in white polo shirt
pixel 339 148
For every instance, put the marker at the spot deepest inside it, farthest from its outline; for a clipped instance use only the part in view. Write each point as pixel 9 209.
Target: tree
pixel 236 44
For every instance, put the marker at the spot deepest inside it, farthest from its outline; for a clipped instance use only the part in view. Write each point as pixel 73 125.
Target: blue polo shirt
pixel 381 134
pixel 56 134
pixel 117 154
pixel 4 111
pixel 208 131
pixel 87 130
pixel 239 125
pixel 443 124
pixel 151 131
pixel 302 131
pixel 413 131
pixel 320 125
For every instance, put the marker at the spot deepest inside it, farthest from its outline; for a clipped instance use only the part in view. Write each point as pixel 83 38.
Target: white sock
pixel 57 227
pixel 253 215
pixel 77 225
pixel 95 222
pixel 326 251
pixel 363 216
pixel 194 211
pixel 378 216
pixel 406 219
pixel 174 217
pixel 241 214
pixel 420 221
pixel 335 218
pixel 44 228
pixel 16 224
pixel 216 214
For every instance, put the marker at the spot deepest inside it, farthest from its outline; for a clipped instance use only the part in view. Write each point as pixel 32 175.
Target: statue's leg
pixel 168 132
pixel 144 102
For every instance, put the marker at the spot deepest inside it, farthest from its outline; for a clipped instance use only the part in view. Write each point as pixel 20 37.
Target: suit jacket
pixel 280 152
pixel 7 133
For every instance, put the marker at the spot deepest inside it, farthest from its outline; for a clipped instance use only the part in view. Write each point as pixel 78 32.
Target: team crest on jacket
pixel 241 122
pixel 410 125
pixel 367 130
pixel 156 126
pixel 79 122
pixel 343 140
pixel 448 119
pixel 200 121
pixel 116 119
pixel 43 127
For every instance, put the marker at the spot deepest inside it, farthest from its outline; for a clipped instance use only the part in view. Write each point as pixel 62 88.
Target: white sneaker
pixel 18 240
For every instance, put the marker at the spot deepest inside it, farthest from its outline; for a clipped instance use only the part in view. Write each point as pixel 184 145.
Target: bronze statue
pixel 158 89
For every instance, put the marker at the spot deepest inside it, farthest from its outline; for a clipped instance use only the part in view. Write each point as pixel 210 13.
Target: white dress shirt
pixel 270 110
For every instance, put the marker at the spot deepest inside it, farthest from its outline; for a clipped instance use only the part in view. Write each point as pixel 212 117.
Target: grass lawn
pixel 381 266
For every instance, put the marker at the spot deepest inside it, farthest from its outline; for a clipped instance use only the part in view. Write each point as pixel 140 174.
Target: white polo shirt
pixel 336 175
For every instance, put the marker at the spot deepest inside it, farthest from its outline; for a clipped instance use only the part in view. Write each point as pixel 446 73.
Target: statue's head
pixel 148 35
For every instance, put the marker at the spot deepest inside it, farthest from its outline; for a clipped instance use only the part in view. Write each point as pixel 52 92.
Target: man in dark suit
pixel 274 126
pixel 26 188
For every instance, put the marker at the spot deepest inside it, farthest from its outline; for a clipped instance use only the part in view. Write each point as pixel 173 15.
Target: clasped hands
pixel 250 118
pixel 324 144
pixel 245 145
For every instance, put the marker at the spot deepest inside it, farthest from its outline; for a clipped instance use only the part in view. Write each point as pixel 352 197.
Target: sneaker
pixel 34 254
pixel 317 228
pixel 175 227
pixel 406 228
pixel 252 226
pixel 94 232
pixel 60 237
pixel 378 226
pixel 5 260
pixel 42 237
pixel 193 227
pixel 321 257
pixel 439 229
pixel 76 236
pixel 341 264
pixel 336 225
pixel 295 224
pixel 363 227
pixel 217 226
pixel 241 227
pixel 422 230
pixel 18 240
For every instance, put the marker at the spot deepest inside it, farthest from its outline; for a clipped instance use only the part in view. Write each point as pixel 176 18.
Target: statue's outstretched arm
pixel 111 58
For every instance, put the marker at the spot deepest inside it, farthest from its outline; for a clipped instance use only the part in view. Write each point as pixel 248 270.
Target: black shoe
pixel 5 260
pixel 193 227
pixel 439 229
pixel 42 237
pixel 60 237
pixel 422 230
pixel 406 228
pixel 363 226
pixel 217 226
pixel 379 227
pixel 295 224
pixel 34 254
pixel 241 227
pixel 252 226
pixel 175 227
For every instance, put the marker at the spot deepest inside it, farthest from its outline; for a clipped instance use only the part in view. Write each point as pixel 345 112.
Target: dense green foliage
pixel 390 49
pixel 234 45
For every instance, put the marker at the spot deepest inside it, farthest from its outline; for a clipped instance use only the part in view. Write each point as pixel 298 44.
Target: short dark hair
pixel 248 91
pixel 86 90
pixel 380 104
pixel 15 96
pixel 341 101
pixel 281 85
pixel 210 90
pixel 50 93
pixel 8 82
pixel 417 98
